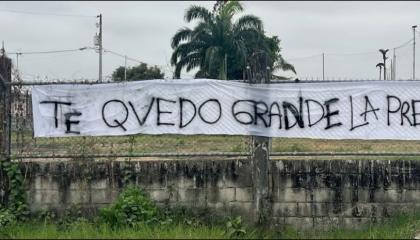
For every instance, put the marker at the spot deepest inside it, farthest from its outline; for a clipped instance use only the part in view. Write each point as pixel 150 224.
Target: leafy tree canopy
pixel 221 44
pixel 139 72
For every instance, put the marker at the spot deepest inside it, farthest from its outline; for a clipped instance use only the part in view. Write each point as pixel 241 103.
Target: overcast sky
pixel 142 30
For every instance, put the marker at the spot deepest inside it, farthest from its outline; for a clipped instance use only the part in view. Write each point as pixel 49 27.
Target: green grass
pixel 169 143
pixel 89 230
pixel 398 227
pixel 404 226
pixel 203 143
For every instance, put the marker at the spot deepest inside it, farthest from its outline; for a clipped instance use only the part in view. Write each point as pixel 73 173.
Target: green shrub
pixel 6 217
pixel 16 195
pixel 234 227
pixel 131 208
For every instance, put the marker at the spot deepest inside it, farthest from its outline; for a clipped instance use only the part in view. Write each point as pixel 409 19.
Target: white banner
pixel 330 110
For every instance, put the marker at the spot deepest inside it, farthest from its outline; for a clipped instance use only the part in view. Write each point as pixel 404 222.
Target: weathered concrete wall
pixel 302 193
pixel 350 193
pixel 220 185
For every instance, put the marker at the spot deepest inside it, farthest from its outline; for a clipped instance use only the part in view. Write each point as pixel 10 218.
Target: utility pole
pixel 225 67
pixel 100 46
pixel 390 75
pixel 125 68
pixel 394 64
pixel 323 67
pixel 414 51
pixel 17 61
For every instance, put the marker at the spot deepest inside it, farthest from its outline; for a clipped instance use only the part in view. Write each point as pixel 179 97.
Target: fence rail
pixel 29 83
pixel 222 154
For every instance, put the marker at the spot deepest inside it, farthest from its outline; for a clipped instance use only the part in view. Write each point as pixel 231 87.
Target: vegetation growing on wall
pixel 131 208
pixel 14 206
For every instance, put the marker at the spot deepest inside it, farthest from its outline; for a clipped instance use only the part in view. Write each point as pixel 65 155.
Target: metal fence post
pixel 5 113
pixel 5 101
pixel 5 121
pixel 259 72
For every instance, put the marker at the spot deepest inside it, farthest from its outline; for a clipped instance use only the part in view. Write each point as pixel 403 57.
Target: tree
pixel 384 57
pixel 277 60
pixel 380 65
pixel 139 72
pixel 221 46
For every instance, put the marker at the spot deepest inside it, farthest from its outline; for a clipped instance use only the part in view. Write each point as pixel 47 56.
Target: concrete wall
pixel 302 193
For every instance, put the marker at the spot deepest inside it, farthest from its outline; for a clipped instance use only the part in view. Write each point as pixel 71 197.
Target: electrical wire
pixel 164 68
pixel 130 58
pixel 85 48
pixel 123 56
pixel 360 53
pixel 300 58
pixel 44 13
pixel 404 44
pixel 48 52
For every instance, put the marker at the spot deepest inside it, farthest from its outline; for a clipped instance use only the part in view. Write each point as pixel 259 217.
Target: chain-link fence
pixel 25 146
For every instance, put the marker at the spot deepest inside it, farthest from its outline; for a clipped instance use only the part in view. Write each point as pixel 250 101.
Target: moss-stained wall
pixel 302 193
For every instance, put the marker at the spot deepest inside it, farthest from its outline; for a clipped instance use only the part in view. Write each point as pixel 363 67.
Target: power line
pixel 45 13
pixel 164 68
pixel 81 49
pixel 359 53
pixel 123 56
pixel 299 58
pixel 404 44
pixel 49 52
pixel 370 52
pixel 129 58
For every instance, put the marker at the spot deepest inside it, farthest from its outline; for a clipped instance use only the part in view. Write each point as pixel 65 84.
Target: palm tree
pixel 380 65
pixel 383 52
pixel 278 62
pixel 219 45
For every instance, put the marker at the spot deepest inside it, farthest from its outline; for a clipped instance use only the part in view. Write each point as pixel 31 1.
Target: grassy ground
pixel 399 227
pixel 86 230
pixel 202 143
